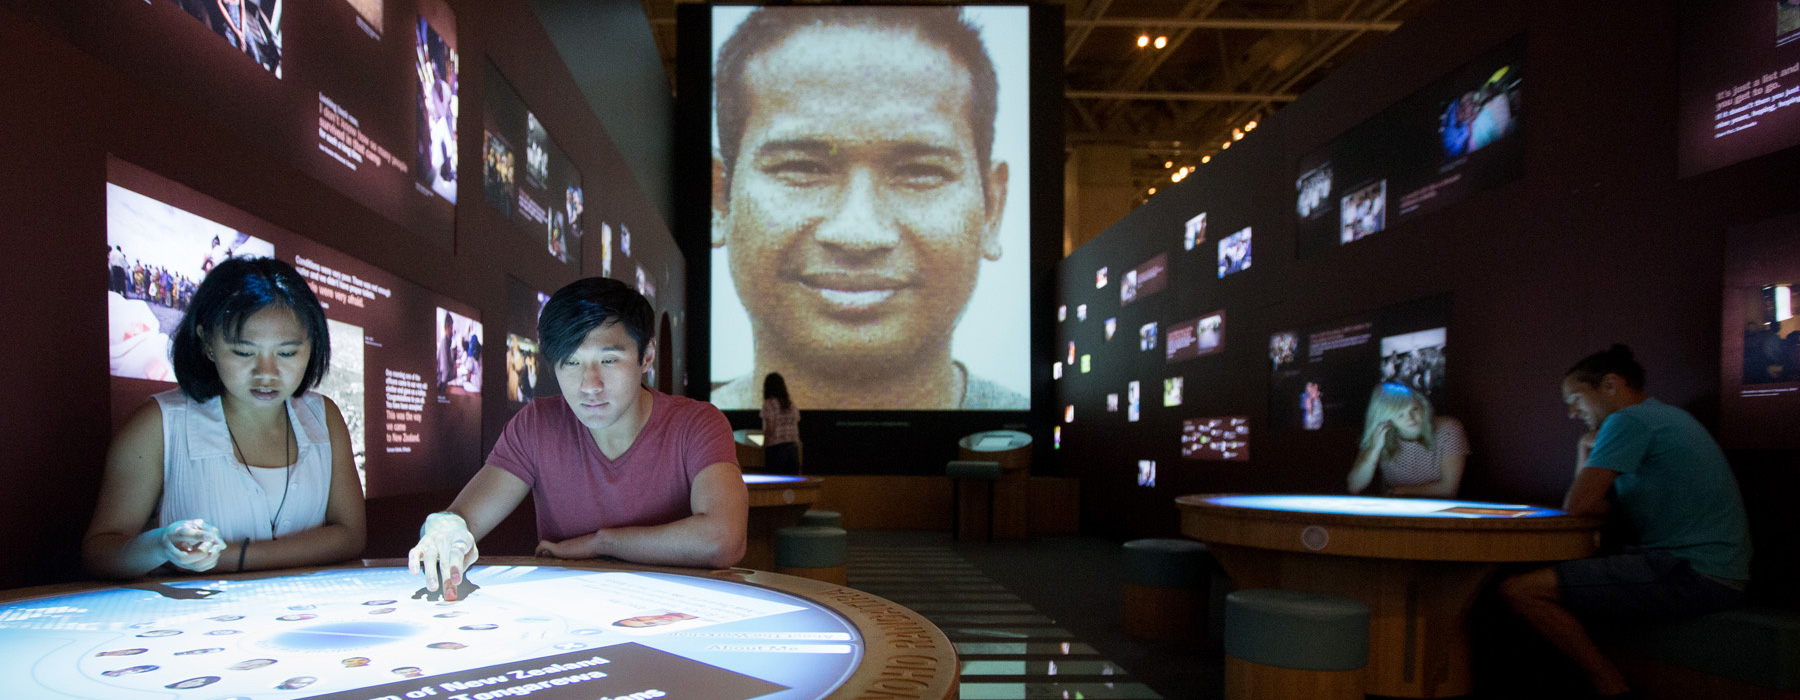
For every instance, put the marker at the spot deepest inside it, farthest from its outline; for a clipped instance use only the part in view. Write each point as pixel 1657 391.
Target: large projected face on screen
pixel 870 207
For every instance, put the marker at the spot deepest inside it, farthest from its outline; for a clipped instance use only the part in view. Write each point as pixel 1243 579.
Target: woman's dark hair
pixel 235 290
pixel 1614 360
pixel 774 387
pixel 586 304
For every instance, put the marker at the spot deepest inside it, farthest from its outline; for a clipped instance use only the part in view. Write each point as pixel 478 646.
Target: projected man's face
pixel 856 215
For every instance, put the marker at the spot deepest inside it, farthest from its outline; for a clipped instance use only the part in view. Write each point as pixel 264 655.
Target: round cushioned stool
pixel 811 552
pixel 1287 644
pixel 964 504
pixel 1164 586
pixel 822 518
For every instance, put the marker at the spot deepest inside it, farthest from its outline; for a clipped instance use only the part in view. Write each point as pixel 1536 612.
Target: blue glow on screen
pixel 771 479
pixel 1370 505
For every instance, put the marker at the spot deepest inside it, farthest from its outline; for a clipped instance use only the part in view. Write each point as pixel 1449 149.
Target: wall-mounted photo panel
pixel 1460 135
pixel 405 367
pixel 362 95
pixel 1146 473
pixel 1740 81
pixel 1144 280
pixel 1193 233
pixel 1234 253
pixel 1760 353
pixel 1334 366
pixel 1195 337
pixel 1216 439
pixel 528 178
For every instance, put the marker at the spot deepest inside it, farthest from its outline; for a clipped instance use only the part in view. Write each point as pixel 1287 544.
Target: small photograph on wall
pixel 1147 337
pixel 1132 403
pixel 1416 360
pixel 1281 349
pixel 1312 407
pixel 250 26
pixel 1112 325
pixel 1172 391
pixel 1312 190
pixel 498 170
pixel 1112 403
pixel 156 256
pixel 1363 212
pixel 459 353
pixel 1771 335
pixel 1146 473
pixel 1234 253
pixel 1194 233
pixel 435 163
pixel 1100 279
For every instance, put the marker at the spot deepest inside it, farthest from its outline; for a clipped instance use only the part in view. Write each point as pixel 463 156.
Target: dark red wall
pixel 1597 243
pixel 63 111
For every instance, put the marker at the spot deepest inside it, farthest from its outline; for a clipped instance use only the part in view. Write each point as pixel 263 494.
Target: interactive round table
pixel 539 628
pixel 1418 564
pixel 775 502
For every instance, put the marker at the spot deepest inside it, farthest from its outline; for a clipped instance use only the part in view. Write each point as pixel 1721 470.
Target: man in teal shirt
pixel 1670 483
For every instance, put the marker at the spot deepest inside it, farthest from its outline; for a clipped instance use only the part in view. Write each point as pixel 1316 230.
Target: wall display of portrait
pixel 528 178
pixel 1323 375
pixel 405 366
pixel 1460 135
pixel 1740 82
pixel 916 273
pixel 1759 382
pixel 1193 233
pixel 363 95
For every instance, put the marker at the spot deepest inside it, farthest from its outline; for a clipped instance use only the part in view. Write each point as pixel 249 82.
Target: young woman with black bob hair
pixel 242 467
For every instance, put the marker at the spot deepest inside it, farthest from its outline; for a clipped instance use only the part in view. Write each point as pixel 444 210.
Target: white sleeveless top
pixel 202 477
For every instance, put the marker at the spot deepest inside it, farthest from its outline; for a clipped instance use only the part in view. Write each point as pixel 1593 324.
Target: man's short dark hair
pixel 586 304
pixel 767 26
pixel 1614 360
pixel 235 290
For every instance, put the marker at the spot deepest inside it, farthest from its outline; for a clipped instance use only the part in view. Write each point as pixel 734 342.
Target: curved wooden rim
pixel 1554 522
pixel 904 654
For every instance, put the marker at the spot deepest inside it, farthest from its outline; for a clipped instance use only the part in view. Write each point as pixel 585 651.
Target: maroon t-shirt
pixel 578 491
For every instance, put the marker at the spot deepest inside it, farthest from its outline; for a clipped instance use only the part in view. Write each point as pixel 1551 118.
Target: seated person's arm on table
pixel 116 545
pixel 342 535
pixel 712 537
pixel 1450 471
pixel 446 547
pixel 1587 496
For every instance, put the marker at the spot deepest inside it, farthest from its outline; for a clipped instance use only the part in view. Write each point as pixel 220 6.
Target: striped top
pixel 780 426
pixel 1417 464
pixel 202 477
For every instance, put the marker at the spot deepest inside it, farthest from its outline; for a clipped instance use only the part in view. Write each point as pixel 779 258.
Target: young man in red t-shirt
pixel 615 468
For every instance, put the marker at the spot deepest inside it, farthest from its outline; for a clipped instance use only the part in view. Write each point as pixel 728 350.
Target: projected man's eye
pixel 800 172
pixel 923 175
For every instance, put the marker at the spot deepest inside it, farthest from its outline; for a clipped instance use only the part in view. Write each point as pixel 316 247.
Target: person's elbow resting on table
pixel 712 537
pixel 1450 470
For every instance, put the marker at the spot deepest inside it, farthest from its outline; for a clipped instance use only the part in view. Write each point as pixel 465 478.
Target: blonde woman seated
pixel 1417 454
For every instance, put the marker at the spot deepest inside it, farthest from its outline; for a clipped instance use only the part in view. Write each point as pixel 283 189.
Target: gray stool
pixel 1287 644
pixel 1166 584
pixel 988 473
pixel 822 518
pixel 811 552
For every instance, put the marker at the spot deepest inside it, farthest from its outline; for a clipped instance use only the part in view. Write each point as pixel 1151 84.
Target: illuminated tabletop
pixel 544 629
pixel 776 502
pixel 1417 563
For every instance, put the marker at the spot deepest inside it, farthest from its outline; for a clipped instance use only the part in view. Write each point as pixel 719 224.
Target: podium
pixel 1010 517
pixel 749 448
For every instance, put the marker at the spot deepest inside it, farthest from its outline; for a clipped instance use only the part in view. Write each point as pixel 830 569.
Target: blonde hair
pixel 1388 402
